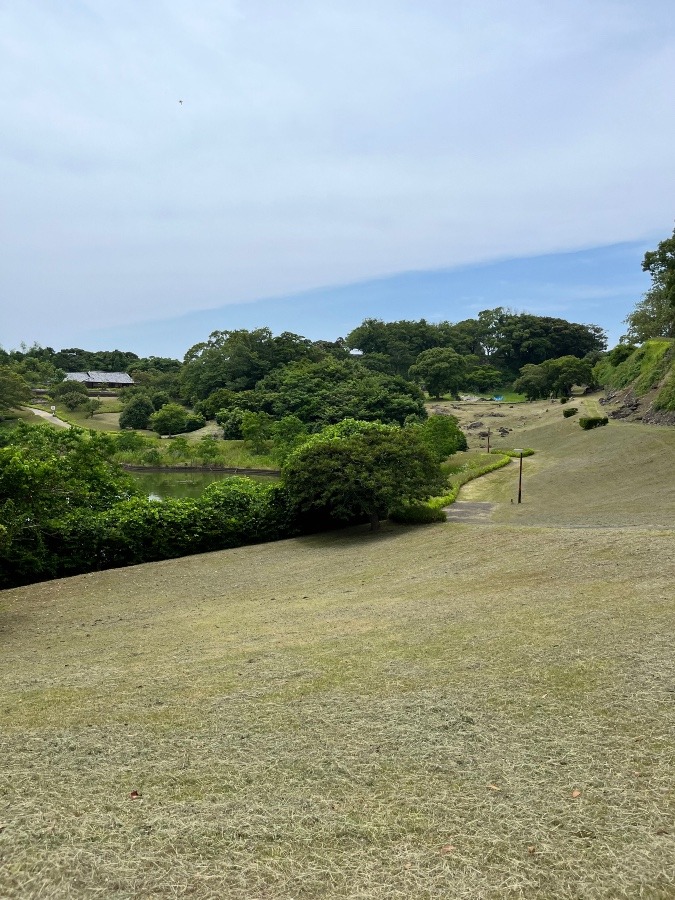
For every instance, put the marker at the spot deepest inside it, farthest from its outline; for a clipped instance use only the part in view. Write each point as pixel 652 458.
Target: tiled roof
pixel 100 377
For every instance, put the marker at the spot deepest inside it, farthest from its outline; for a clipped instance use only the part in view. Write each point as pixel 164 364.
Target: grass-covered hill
pixel 467 711
pixel 640 381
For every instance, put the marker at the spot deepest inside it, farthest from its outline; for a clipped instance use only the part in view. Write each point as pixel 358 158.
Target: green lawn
pixel 479 712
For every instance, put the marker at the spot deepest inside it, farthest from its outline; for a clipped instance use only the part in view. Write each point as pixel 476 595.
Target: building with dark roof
pixel 101 379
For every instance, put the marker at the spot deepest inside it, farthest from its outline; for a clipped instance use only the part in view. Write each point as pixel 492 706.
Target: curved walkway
pixel 54 420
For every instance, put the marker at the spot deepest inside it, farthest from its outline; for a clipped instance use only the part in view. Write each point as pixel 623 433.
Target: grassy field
pixel 479 712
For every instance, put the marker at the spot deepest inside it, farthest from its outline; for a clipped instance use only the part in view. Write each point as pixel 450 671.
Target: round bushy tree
pixel 137 412
pixel 170 419
pixel 360 470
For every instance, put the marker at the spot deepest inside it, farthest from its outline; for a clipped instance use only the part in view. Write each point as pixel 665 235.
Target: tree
pixel 73 400
pixel 256 429
pixel 330 390
pixel 554 377
pixel 654 315
pixel 484 378
pixel 137 412
pixel 440 369
pixel 13 389
pixel 170 419
pixel 442 436
pixel 362 474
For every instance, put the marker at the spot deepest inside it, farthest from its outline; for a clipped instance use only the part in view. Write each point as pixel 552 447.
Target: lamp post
pixel 520 474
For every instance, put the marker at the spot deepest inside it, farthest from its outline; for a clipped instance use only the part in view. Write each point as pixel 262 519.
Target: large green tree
pixel 360 470
pixel 440 370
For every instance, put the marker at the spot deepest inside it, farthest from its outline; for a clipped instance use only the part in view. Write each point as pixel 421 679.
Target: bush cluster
pixel 572 411
pixel 416 514
pixel 593 422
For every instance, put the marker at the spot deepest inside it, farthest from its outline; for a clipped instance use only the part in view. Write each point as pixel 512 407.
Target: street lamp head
pixel 517 450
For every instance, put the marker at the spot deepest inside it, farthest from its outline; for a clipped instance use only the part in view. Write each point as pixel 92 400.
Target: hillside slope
pixel 641 386
pixel 476 712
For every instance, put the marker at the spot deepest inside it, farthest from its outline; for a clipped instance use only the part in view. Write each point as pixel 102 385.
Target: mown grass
pixel 476 712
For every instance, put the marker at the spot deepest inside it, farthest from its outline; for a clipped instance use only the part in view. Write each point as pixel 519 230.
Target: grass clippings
pixel 443 711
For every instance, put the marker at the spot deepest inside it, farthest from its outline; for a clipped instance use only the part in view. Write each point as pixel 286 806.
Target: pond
pixel 161 485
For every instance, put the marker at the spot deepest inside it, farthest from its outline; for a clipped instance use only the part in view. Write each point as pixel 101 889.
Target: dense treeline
pixel 378 373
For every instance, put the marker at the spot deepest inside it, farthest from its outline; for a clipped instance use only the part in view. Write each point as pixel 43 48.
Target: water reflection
pixel 162 485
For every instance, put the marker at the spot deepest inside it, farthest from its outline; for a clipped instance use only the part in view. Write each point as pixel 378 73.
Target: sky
pixel 328 162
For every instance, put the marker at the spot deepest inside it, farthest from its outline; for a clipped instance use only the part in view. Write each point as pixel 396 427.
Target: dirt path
pixel 59 423
pixel 469 512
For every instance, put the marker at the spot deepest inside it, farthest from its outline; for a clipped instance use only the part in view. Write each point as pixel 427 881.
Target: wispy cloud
pixel 316 143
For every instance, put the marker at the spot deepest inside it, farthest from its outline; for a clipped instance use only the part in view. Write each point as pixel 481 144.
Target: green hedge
pixel 589 422
pixel 230 513
pixel 416 514
pixel 468 475
pixel 572 411
pixel 527 451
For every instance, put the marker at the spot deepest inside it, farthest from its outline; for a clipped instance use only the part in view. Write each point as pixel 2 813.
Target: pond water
pixel 161 485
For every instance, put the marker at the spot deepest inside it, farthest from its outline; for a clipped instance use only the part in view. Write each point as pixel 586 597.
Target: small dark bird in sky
pixel 181 102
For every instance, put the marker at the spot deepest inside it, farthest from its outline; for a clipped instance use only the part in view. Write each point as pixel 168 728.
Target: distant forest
pixel 377 372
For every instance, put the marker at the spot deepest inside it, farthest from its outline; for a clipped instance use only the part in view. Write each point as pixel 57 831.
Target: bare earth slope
pixel 451 711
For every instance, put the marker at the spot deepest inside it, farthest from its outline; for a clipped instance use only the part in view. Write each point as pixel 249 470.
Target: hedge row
pixel 230 513
pixel 593 422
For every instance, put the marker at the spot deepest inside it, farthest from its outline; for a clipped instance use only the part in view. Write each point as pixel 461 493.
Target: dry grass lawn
pixel 480 712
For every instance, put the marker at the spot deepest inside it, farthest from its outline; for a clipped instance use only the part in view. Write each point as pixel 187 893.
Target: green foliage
pixel 13 389
pixel 130 440
pixel 137 412
pixel 328 391
pixel 642 369
pixel 571 411
pixel 416 514
pixel 238 360
pixel 66 388
pixel 159 399
pixel 554 377
pixel 230 420
pixel 170 419
pixel 440 370
pixel 222 399
pixel 484 378
pixel 665 399
pixel 73 400
pixel 513 454
pixel 654 315
pixel 474 469
pixel 441 435
pixel 588 422
pixel 359 470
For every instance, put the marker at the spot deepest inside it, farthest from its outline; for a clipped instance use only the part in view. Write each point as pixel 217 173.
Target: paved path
pixel 469 512
pixel 47 415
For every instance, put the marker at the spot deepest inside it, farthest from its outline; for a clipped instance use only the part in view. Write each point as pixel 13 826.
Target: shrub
pixel 564 399
pixel 74 400
pixel 170 419
pixel 416 514
pixel 194 421
pixel 230 420
pixel 69 387
pixel 572 411
pixel 593 422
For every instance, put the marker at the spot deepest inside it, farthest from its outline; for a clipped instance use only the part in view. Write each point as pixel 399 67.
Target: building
pixel 101 379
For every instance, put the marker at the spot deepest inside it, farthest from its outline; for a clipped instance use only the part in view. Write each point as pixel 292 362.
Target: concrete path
pixel 59 423
pixel 469 512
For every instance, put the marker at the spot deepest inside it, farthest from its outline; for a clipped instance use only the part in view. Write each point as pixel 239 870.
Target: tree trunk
pixel 374 521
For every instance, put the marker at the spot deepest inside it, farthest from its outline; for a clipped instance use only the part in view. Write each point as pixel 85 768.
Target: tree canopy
pixel 654 315
pixel 359 470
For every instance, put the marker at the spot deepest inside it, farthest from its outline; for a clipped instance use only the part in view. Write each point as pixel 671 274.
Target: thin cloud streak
pixel 316 145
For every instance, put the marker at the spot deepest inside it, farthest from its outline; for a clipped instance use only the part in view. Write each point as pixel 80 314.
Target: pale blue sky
pixel 318 144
